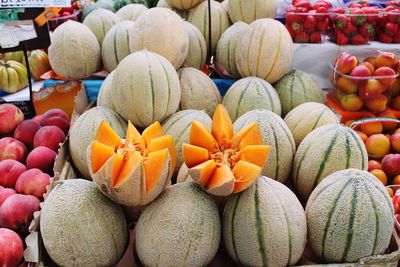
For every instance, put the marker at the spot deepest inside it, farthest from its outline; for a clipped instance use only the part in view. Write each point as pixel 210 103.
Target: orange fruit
pixel 380 175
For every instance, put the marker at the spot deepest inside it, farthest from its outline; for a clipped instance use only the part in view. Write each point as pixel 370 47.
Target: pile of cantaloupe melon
pixel 202 170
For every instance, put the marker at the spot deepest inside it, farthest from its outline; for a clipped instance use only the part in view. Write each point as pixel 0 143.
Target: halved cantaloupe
pixel 134 171
pixel 220 161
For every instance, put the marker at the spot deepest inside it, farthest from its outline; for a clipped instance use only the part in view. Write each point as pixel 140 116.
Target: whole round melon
pixel 160 30
pixel 225 56
pixel 249 94
pixel 251 10
pixel 116 45
pixel 349 216
pixel 100 22
pixel 182 13
pixel 275 134
pixel 145 88
pixel 83 132
pixel 198 91
pixel 264 225
pixel 183 4
pixel 81 227
pixel 180 228
pixel 264 50
pixel 225 4
pixel 198 16
pixel 131 12
pixel 179 125
pixel 295 88
pixel 197 54
pixel 118 4
pixel 306 117
pixel 325 150
pixel 74 52
pixel 105 94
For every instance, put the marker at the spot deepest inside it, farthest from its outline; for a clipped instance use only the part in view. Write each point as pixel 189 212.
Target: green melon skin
pixel 82 227
pixel 180 228
pixel 325 150
pixel 264 225
pixel 83 132
pixel 197 54
pixel 100 22
pixel 277 135
pixel 145 88
pixel 308 116
pixel 249 94
pixel 295 88
pixel 349 216
pixel 105 94
pixel 131 12
pixel 251 10
pixel 179 125
pixel 74 51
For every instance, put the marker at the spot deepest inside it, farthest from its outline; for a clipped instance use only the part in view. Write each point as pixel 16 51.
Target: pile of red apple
pixel 370 84
pixel 28 149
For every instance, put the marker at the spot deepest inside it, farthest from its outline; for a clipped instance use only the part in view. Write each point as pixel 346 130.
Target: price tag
pixel 34 3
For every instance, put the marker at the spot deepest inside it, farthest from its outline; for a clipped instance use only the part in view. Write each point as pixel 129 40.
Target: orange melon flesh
pixel 132 135
pixel 100 154
pixel 162 142
pixel 116 167
pixel 129 166
pixel 222 128
pixel 151 132
pixel 238 137
pixel 221 176
pixel 255 154
pixel 252 137
pixel 203 172
pixel 194 155
pixel 245 173
pixel 200 136
pixel 107 136
pixel 154 166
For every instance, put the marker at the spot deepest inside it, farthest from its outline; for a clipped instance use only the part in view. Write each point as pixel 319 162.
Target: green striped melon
pixel 100 22
pixel 116 45
pixel 251 10
pixel 182 13
pixel 105 94
pixel 160 30
pixel 179 125
pixel 145 88
pixel 81 227
pixel 295 88
pixel 197 54
pixel 264 225
pixel 306 117
pixel 83 132
pixel 225 58
pixel 325 150
pixel 180 228
pixel 74 52
pixel 131 11
pixel 198 91
pixel 183 4
pixel 275 134
pixel 249 94
pixel 198 16
pixel 264 50
pixel 349 216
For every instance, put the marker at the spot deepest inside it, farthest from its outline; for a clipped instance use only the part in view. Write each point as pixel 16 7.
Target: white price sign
pixel 34 3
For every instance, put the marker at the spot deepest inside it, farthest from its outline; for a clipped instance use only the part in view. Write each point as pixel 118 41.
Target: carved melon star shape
pixel 223 162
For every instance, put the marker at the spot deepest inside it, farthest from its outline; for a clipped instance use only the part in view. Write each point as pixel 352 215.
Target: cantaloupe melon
pixel 225 4
pixel 295 88
pixel 145 88
pixel 276 134
pixel 198 91
pixel 105 94
pixel 198 16
pixel 74 51
pixel 131 11
pixel 161 31
pixel 100 22
pixel 116 45
pixel 306 117
pixel 183 175
pixel 264 50
pixel 179 124
pixel 197 54
pixel 225 56
pixel 180 228
pixel 325 150
pixel 251 10
pixel 182 13
pixel 82 227
pixel 264 225
pixel 183 4
pixel 249 94
pixel 349 216
pixel 83 131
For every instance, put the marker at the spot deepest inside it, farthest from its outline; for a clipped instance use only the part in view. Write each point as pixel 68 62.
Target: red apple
pixel 12 248
pixel 25 132
pixel 346 62
pixel 395 142
pixel 33 182
pixel 10 170
pixel 12 149
pixel 41 158
pixel 49 136
pixel 370 89
pixel 391 164
pixel 373 165
pixel 5 193
pixel 386 59
pixel 10 116
pixel 37 118
pixel 55 112
pixel 369 66
pixel 360 71
pixel 371 60
pixel 385 71
pixel 59 122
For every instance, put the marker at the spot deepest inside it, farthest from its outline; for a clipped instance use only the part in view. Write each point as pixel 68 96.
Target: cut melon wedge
pixel 132 161
pixel 242 134
pixel 221 176
pixel 200 136
pixel 100 154
pixel 107 136
pixel 162 142
pixel 154 166
pixel 202 173
pixel 222 128
pixel 132 135
pixel 194 155
pixel 255 154
pixel 153 131
pixel 245 173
